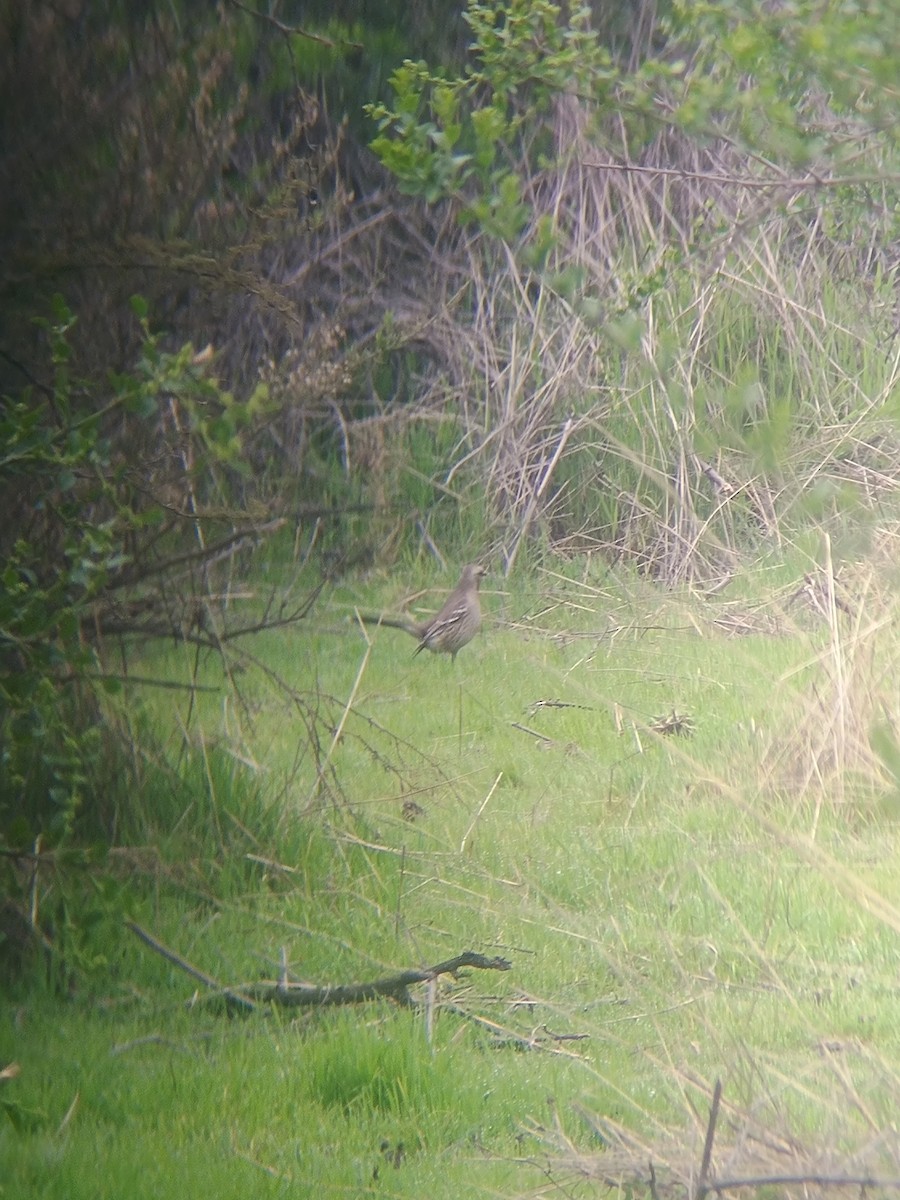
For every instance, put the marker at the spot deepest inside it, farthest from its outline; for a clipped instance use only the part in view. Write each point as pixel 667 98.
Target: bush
pixel 88 517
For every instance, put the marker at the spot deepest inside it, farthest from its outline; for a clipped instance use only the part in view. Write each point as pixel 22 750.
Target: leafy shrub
pixel 88 515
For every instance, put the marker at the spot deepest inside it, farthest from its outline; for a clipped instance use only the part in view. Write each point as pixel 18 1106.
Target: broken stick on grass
pixel 393 987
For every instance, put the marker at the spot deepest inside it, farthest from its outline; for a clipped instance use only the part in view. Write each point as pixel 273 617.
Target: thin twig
pixel 140 572
pixel 525 523
pixel 139 681
pixel 702 1187
pixel 811 181
pixel 33 908
pixel 289 30
pixel 400 883
pixel 323 765
pixel 272 864
pixel 653 1192
pixel 235 999
pixel 865 1182
pixel 541 737
pixel 472 823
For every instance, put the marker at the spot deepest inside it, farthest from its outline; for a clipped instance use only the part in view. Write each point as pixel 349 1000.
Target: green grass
pixel 675 909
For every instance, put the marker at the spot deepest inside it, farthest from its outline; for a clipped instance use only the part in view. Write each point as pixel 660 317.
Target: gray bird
pixel 454 626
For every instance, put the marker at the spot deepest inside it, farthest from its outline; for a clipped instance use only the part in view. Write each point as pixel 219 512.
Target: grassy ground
pixel 675 817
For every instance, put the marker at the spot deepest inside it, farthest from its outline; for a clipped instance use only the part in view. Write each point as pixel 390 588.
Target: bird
pixel 458 620
pixel 453 626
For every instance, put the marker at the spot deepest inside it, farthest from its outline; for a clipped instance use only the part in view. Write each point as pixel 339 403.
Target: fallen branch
pixel 393 987
pixel 284 992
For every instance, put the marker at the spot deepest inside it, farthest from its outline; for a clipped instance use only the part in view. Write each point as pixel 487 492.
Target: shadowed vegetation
pixel 303 311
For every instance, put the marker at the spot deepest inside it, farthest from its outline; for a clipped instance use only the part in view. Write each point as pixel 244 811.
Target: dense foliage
pixel 604 287
pixel 95 550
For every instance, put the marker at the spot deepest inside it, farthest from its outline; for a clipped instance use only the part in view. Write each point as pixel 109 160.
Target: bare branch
pixel 290 30
pixel 233 998
pixel 392 987
pixel 809 181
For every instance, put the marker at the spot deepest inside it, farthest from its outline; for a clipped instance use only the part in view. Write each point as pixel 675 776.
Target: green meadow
pixel 297 325
pixel 673 816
